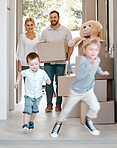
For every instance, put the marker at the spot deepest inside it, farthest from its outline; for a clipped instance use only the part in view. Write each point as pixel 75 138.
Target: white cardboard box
pixel 52 51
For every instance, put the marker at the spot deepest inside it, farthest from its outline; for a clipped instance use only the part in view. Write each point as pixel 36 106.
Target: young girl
pixel 82 87
pixel 33 84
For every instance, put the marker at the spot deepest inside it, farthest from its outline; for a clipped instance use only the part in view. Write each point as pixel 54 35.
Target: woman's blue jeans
pixel 53 70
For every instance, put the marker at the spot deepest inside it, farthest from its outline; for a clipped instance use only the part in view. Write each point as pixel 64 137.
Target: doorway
pixel 70 17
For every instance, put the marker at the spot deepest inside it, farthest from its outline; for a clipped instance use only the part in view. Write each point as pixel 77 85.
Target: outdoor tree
pixel 73 12
pixel 39 10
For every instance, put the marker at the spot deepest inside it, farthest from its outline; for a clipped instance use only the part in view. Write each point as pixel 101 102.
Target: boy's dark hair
pixel 54 11
pixel 31 56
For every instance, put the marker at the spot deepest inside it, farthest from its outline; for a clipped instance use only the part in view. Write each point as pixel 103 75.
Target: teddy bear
pixel 88 29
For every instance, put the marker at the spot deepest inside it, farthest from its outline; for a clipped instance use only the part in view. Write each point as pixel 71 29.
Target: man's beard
pixel 54 24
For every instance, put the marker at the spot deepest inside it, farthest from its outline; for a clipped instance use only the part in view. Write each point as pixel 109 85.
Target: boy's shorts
pixel 31 105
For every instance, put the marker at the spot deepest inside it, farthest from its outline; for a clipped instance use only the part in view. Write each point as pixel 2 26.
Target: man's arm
pixel 70 51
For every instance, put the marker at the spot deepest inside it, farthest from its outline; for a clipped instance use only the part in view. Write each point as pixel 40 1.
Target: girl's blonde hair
pixel 87 42
pixel 27 20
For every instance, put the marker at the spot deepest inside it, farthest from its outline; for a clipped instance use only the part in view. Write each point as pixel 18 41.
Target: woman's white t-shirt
pixel 25 46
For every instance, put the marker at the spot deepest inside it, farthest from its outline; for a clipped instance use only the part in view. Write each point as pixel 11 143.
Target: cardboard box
pixel 75 112
pixel 102 52
pixel 106 64
pixel 105 115
pixel 64 85
pixel 100 90
pixel 52 51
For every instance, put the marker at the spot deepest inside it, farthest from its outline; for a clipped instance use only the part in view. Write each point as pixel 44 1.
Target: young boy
pixel 33 84
pixel 82 87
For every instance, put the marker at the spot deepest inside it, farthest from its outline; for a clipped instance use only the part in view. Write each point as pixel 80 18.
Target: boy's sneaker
pixel 56 129
pixel 31 125
pixel 89 125
pixel 25 128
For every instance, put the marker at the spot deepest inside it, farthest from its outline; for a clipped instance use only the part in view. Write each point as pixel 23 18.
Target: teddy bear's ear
pixel 73 41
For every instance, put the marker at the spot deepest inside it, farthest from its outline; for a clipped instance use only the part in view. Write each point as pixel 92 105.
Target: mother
pixel 27 43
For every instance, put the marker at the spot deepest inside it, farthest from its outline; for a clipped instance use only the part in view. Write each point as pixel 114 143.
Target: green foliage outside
pixel 73 12
pixel 40 9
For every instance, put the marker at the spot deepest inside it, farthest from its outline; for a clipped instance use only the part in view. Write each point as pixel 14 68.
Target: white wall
pixel 19 21
pixel 115 50
pixel 12 51
pixel 7 57
pixel 4 71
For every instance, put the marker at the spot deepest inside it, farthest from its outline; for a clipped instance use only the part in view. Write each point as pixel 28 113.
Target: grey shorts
pixel 31 105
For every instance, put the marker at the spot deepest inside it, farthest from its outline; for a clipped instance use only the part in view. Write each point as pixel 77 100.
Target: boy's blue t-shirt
pixel 85 78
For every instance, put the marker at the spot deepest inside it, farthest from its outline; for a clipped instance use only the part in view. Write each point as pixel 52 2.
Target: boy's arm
pixel 18 80
pixel 48 81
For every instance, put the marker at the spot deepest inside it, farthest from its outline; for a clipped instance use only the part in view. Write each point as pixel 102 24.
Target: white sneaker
pixel 89 125
pixel 56 129
pixel 25 128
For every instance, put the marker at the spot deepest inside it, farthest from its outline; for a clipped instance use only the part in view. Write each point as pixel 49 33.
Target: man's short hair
pixel 54 11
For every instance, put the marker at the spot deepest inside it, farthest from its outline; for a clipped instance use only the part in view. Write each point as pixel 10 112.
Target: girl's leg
pixel 71 102
pixel 93 104
pixel 94 107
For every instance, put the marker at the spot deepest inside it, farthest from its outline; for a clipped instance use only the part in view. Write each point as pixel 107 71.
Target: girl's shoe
pixel 55 130
pixel 92 129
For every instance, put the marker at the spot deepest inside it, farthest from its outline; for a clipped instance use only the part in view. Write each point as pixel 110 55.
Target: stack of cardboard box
pixel 103 91
pixel 56 51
